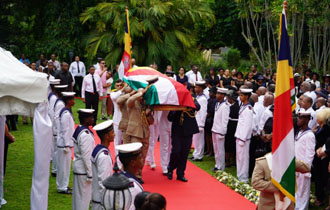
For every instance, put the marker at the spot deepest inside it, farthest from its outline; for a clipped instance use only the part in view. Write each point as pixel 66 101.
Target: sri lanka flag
pixel 125 63
pixel 283 159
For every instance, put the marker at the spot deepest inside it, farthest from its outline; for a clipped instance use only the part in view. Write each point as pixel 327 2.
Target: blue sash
pixel 50 95
pixel 97 149
pixel 57 100
pixel 78 130
pixel 63 110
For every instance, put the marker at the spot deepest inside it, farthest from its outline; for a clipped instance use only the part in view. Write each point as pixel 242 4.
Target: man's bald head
pixel 254 97
pixel 249 85
pixel 320 102
pixel 307 102
pixel 261 91
pixel 305 87
pixel 268 100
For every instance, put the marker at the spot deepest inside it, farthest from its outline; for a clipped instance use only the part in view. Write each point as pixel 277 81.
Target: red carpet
pixel 201 192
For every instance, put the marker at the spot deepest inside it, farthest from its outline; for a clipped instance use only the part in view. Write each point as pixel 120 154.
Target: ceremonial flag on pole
pixel 283 159
pixel 125 63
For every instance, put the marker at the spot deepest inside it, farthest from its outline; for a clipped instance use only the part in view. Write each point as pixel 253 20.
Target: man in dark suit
pixel 184 125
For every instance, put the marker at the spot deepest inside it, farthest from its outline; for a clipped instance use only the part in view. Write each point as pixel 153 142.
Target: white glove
pixel 241 143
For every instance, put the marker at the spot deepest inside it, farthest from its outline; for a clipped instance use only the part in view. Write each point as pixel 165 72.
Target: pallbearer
pixel 83 139
pixel 219 129
pixel 101 161
pixel 65 144
pixel 243 135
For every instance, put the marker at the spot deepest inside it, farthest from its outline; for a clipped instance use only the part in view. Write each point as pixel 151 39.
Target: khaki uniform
pixel 138 127
pixel 121 101
pixel 261 180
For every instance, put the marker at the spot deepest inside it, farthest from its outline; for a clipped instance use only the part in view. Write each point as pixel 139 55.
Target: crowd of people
pixel 232 121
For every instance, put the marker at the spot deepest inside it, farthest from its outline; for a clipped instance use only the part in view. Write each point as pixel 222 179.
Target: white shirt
pixel 201 114
pixel 312 95
pixel 117 113
pixel 316 83
pixel 192 77
pixel 74 69
pixel 245 122
pixel 305 146
pixel 264 117
pixel 56 64
pixel 206 93
pixel 221 118
pixel 261 99
pixel 87 85
pixel 319 109
pixel 258 109
pixel 109 81
pixel 51 114
pixel 57 109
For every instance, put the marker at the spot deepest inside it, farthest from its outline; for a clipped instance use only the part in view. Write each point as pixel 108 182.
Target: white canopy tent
pixel 24 92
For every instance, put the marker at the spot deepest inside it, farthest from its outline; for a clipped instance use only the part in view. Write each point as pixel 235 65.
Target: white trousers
pixel 154 133
pixel 242 160
pixel 42 136
pixel 164 147
pixel 63 169
pixel 2 146
pixel 118 137
pixel 82 193
pixel 54 155
pixel 219 150
pixel 104 105
pixel 198 141
pixel 302 194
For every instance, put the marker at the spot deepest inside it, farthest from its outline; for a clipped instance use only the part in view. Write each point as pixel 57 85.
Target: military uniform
pixel 134 188
pixel 102 169
pixel 164 140
pixel 243 136
pixel 117 116
pixel 82 168
pixel 154 133
pixel 198 138
pixel 121 101
pixel 64 149
pixel 219 130
pixel 51 102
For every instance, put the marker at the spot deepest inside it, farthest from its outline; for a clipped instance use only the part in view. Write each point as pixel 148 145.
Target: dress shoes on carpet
pixel 67 191
pixel 165 172
pixel 215 169
pixel 182 179
pixel 53 174
pixel 170 175
pixel 197 160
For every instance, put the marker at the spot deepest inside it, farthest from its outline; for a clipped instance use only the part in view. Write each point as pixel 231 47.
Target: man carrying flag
pixel 283 158
pixel 126 62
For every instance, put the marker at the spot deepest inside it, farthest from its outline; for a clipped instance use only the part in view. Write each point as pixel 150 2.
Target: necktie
pixel 196 77
pixel 94 85
pixel 78 67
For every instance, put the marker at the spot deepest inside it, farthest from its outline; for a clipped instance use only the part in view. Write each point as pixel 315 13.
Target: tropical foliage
pixel 162 32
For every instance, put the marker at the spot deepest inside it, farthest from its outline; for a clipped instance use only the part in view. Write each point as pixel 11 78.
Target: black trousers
pixel 179 154
pixel 92 102
pixel 321 175
pixel 78 84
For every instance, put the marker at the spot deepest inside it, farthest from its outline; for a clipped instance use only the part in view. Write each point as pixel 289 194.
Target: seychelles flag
pixel 283 159
pixel 125 63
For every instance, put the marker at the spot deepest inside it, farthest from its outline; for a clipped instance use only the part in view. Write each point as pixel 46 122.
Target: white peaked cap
pixel 129 148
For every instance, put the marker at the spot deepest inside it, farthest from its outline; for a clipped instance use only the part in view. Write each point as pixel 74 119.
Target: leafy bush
pixel 233 57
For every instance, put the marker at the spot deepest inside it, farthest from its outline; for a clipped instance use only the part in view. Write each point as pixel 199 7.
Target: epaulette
pixel 261 158
pixel 250 107
pixel 86 131
pixel 105 152
pixel 131 184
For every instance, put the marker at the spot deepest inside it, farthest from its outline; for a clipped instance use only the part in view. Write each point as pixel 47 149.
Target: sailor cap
pixel 68 94
pixel 54 81
pixel 246 91
pixel 201 83
pixel 129 148
pixel 222 90
pixel 104 127
pixel 61 86
pixel 86 111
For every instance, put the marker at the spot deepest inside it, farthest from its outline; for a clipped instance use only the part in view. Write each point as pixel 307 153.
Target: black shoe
pixel 140 181
pixel 67 192
pixel 215 169
pixel 53 174
pixel 191 158
pixel 182 178
pixel 197 160
pixel 170 175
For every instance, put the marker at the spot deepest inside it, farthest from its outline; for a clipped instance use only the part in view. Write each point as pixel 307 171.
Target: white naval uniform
pixel 82 168
pixel 219 130
pixel 258 109
pixel 102 169
pixel 116 119
pixel 154 133
pixel 58 106
pixel 198 138
pixel 313 121
pixel 164 139
pixel 243 136
pixel 64 149
pixel 304 151
pixel 135 188
pixel 51 102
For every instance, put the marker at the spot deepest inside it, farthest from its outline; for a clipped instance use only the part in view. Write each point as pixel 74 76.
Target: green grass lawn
pixel 18 178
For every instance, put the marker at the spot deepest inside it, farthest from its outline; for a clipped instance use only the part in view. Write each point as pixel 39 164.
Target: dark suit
pixel 182 132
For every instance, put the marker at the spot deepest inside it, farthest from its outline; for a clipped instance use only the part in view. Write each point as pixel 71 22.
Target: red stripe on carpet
pixel 201 192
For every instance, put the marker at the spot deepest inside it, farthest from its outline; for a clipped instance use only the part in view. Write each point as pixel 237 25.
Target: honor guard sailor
pixel 83 139
pixel 58 106
pixel 130 155
pixel 243 135
pixel 198 138
pixel 65 144
pixel 304 151
pixel 101 161
pixel 51 101
pixel 219 129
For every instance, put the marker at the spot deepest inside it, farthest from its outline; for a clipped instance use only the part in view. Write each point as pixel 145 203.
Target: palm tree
pixel 162 31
